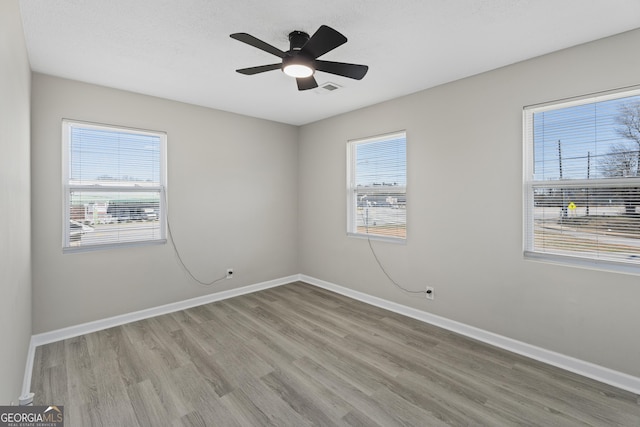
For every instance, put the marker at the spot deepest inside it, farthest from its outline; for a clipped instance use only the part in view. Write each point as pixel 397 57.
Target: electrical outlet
pixel 229 273
pixel 430 293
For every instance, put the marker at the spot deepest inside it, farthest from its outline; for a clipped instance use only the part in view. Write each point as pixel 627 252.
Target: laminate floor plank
pixel 273 410
pixel 81 382
pixel 369 371
pixel 235 373
pixel 572 401
pixel 161 367
pixel 192 419
pixel 327 399
pixel 197 393
pixel 197 333
pixel 205 363
pixel 269 336
pixel 82 393
pixel 110 387
pixel 351 394
pixel 54 382
pixel 438 401
pixel 310 317
pixel 458 404
pixel 298 355
pixel 344 363
pixel 578 385
pixel 162 347
pixel 226 333
pixel 245 410
pixel 132 367
pixel 146 403
pixel 301 399
pixel 53 354
pixel 166 322
pixel 406 413
pixel 199 313
pixel 170 394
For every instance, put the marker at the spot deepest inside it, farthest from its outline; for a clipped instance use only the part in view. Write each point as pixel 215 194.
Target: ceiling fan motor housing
pixel 297 39
pixel 295 56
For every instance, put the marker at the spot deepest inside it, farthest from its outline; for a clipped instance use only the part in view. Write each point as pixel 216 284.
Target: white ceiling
pixel 181 49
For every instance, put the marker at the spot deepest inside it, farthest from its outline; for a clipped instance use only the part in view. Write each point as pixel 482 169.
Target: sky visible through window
pixel 381 163
pixel 105 155
pixel 579 139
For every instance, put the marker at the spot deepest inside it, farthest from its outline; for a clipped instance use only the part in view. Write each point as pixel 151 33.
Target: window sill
pixel 396 240
pixel 92 248
pixel 591 264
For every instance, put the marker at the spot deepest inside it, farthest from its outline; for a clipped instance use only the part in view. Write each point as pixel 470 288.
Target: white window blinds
pixel 377 183
pixel 114 182
pixel 582 178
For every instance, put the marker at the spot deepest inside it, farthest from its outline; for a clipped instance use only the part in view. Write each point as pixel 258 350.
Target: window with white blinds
pixel 377 187
pixel 582 180
pixel 114 180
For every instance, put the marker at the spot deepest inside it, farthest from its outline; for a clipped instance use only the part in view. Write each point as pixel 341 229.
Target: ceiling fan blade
pixel 323 41
pixel 353 71
pixel 252 41
pixel 306 83
pixel 259 69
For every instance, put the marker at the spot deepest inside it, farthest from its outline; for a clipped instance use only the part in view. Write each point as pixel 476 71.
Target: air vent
pixel 330 87
pixel 327 88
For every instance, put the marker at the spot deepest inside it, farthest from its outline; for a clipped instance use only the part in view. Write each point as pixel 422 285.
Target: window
pixel 582 180
pixel 114 181
pixel 377 187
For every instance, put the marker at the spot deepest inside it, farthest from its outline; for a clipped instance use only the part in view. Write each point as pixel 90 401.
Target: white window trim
pixel 351 189
pixel 67 124
pixel 529 184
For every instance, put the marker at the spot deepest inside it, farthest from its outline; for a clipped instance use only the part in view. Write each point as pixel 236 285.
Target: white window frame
pixel 529 185
pixel 68 188
pixel 352 203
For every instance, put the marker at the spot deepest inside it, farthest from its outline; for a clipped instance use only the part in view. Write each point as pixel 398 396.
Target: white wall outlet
pixel 229 273
pixel 430 292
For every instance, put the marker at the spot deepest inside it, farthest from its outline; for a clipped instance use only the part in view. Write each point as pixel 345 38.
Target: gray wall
pixel 15 235
pixel 232 186
pixel 465 209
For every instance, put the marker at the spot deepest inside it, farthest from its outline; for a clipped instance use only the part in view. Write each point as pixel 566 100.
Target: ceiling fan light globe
pixel 298 70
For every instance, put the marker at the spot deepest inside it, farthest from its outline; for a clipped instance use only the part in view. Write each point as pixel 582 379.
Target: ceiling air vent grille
pixel 327 88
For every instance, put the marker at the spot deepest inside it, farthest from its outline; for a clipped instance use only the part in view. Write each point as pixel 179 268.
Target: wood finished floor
pixel 297 355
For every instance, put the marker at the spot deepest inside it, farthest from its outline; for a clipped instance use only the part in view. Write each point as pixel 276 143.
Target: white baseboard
pixel 580 367
pixel 98 325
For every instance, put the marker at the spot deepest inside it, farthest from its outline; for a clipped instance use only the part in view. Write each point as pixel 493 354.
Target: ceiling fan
pixel 301 60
